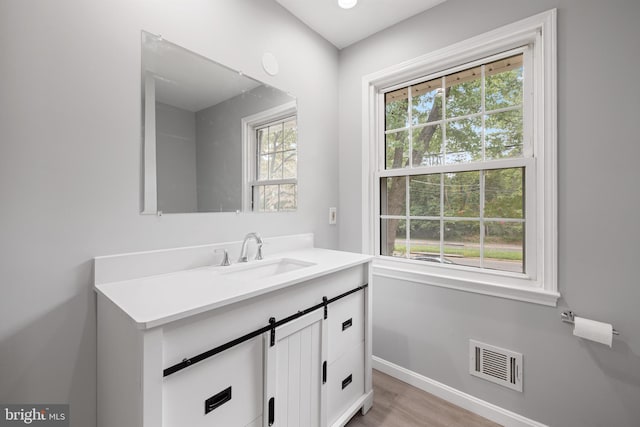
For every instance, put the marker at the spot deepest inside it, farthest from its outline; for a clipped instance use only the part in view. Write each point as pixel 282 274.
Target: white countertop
pixel 156 300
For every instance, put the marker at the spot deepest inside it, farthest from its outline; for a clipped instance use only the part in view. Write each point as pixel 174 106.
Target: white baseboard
pixel 450 394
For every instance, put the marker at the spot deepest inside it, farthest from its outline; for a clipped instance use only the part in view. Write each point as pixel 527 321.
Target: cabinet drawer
pixel 346 325
pixel 345 381
pixel 225 390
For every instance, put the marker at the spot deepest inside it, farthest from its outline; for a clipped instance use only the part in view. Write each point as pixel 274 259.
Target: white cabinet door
pixel 294 395
pixel 225 390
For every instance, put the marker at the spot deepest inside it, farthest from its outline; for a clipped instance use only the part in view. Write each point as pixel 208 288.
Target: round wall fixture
pixel 270 64
pixel 347 4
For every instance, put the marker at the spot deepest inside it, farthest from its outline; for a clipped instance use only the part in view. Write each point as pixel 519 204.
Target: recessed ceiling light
pixel 347 4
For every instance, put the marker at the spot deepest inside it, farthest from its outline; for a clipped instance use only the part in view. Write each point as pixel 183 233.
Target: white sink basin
pixel 264 268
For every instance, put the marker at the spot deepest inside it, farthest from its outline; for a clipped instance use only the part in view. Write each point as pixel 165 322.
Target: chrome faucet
pixel 243 251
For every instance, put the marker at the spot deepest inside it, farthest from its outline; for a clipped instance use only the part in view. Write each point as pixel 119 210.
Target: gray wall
pixel 176 159
pixel 567 382
pixel 70 164
pixel 219 142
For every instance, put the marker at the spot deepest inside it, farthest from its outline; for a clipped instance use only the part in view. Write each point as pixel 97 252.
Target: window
pixel 461 174
pixel 275 187
pixel 448 195
pixel 272 160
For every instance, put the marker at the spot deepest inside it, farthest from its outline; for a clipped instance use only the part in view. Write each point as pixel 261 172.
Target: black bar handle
pixel 347 381
pixel 324 372
pixel 217 400
pixel 272 410
pixel 347 324
pixel 269 328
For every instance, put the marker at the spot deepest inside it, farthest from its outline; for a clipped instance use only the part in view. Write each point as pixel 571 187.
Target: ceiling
pixel 343 27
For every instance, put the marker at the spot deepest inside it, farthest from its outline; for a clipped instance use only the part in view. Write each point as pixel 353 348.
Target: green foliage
pixel 464 98
pixel 503 89
pixel 503 190
pixel 427 145
pixel 424 192
pixel 425 229
pixel 397 115
pixel 462 194
pixel 459 192
pixel 397 148
pixel 427 107
pixel 464 140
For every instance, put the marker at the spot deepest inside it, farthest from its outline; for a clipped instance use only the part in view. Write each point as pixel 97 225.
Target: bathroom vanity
pixel 283 341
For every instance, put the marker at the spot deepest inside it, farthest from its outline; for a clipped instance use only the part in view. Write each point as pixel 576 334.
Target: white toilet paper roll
pixel 593 330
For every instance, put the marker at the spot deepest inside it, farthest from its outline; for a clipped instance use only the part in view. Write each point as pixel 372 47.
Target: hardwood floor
pixel 397 404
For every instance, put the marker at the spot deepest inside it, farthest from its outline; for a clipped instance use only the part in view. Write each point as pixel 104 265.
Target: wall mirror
pixel 214 140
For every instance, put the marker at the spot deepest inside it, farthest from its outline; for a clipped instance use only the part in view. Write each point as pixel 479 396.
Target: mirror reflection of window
pixel 275 186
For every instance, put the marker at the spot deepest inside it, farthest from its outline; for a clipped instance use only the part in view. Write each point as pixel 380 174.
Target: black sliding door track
pixel 270 327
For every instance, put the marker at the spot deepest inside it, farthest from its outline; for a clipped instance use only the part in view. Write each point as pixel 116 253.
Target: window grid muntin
pixel 481 220
pixel 481 165
pixel 444 120
pixel 455 119
pixel 524 49
pixel 259 199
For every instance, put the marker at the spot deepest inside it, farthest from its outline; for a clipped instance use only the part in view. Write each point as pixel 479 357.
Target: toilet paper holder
pixel 569 317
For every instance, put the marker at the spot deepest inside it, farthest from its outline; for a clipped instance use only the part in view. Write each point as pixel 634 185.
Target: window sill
pixel 395 269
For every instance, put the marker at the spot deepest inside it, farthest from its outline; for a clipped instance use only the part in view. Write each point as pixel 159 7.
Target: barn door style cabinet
pixel 314 367
pixel 294 352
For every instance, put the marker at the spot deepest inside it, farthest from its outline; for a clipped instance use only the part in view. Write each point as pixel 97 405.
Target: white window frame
pixel 249 150
pixel 539 284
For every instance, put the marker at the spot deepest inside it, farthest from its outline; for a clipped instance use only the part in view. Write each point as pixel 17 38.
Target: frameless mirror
pixel 196 154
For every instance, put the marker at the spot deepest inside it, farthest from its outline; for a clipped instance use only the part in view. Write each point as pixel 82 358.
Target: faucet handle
pixel 225 257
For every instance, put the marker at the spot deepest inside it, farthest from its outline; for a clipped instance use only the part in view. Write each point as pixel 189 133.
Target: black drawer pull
pixel 215 401
pixel 324 372
pixel 347 381
pixel 272 411
pixel 347 324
